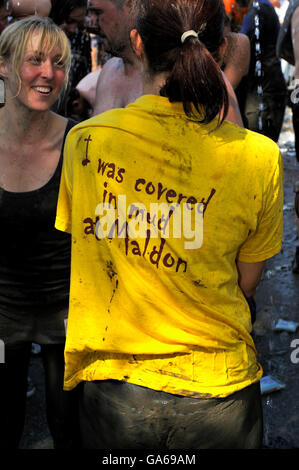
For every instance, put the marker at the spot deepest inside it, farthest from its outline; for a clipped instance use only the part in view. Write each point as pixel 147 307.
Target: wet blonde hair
pixel 15 38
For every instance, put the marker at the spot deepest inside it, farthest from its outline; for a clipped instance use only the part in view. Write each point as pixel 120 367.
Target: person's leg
pixel 271 116
pixel 274 114
pixel 117 415
pixel 13 390
pixel 233 422
pixel 62 406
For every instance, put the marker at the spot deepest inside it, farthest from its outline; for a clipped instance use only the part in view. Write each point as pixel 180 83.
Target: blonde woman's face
pixel 42 77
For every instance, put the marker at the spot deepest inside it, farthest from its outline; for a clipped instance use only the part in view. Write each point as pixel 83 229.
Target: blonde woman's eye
pixel 35 60
pixel 59 63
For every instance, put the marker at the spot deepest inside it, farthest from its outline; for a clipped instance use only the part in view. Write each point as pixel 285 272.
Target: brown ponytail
pixel 194 78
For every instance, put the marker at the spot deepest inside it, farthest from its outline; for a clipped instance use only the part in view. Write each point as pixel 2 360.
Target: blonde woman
pixel 34 257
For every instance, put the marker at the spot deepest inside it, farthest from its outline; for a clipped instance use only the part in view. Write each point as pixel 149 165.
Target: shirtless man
pixel 237 56
pixel 120 81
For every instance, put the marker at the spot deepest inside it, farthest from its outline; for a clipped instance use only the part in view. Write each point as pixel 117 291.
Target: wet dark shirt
pixel 272 78
pixel 284 46
pixel 34 256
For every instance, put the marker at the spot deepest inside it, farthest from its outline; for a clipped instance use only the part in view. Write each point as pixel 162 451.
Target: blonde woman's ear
pixel 3 69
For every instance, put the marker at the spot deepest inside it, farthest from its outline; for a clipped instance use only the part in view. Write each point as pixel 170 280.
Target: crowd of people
pixel 133 239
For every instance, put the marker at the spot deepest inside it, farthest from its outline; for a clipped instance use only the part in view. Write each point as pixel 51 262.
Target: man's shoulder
pixel 295 16
pixel 111 72
pixel 112 65
pixel 115 87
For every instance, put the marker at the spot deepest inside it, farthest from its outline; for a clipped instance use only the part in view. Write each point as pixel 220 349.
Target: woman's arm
pixel 249 276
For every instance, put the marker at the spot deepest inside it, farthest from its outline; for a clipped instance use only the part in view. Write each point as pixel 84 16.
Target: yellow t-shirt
pixel 154 297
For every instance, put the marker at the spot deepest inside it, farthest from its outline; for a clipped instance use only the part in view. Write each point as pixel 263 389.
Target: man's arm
pixel 234 114
pixel 237 58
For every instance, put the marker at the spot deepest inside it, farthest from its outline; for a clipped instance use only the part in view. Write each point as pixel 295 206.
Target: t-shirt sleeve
pixel 265 241
pixel 63 220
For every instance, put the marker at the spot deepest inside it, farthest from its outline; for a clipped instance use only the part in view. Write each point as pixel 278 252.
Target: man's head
pixel 112 21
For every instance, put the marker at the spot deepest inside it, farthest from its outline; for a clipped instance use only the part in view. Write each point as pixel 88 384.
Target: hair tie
pixel 186 34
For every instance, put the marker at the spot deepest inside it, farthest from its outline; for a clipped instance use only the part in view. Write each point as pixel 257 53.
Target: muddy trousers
pixel 118 415
pixel 61 406
pixel 271 116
